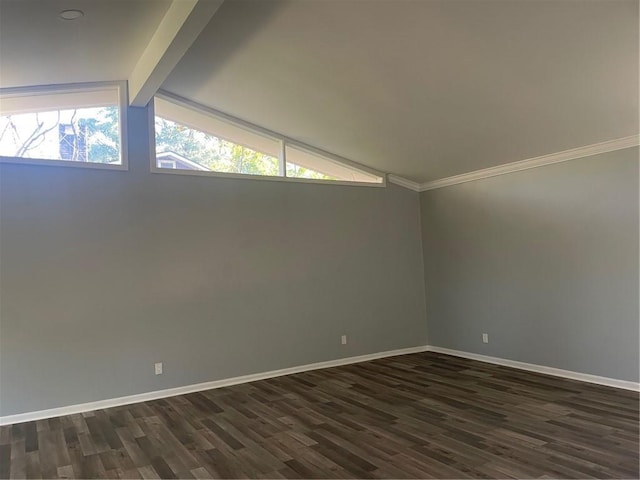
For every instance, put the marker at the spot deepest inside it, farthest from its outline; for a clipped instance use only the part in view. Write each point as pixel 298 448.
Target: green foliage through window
pixel 211 152
pixel 192 137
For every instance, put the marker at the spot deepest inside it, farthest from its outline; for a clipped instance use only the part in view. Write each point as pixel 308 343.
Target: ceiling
pixel 38 48
pixel 423 89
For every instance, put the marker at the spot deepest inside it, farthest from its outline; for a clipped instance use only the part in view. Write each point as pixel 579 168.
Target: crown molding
pixel 574 153
pixel 403 182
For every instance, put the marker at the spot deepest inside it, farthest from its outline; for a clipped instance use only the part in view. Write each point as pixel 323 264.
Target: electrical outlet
pixel 485 338
pixel 344 339
pixel 158 368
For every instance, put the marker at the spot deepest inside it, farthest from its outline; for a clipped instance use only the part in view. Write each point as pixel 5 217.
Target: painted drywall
pixel 104 273
pixel 545 261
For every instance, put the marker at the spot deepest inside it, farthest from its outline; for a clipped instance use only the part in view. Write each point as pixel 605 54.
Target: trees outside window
pixel 76 135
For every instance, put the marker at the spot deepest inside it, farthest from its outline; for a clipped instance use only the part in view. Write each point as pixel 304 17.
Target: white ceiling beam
pixel 177 31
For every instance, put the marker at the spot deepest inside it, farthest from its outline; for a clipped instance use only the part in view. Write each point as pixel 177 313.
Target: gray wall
pixel 104 273
pixel 545 261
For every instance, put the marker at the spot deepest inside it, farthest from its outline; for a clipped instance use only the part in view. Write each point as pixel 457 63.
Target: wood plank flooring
pixel 425 415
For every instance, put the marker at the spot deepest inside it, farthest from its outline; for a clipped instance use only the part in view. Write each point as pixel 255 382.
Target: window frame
pixel 122 104
pixel 283 143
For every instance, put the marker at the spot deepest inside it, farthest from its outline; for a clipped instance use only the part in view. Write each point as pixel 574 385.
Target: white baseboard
pixel 172 392
pixel 531 367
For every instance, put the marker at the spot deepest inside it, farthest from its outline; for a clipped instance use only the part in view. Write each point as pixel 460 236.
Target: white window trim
pixel 284 141
pixel 76 88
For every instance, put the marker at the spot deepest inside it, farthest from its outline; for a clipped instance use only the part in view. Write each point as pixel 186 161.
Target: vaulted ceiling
pixel 39 48
pixel 423 89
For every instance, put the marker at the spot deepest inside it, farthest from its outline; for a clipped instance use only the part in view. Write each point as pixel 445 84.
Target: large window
pixel 196 140
pixel 72 125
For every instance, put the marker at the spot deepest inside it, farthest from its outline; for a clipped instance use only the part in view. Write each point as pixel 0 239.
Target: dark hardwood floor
pixel 415 416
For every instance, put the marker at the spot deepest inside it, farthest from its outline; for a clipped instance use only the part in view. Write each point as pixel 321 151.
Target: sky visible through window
pixel 80 135
pixel 211 152
pixel 219 155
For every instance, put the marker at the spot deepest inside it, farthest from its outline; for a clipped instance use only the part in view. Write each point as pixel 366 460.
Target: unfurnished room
pixel 319 239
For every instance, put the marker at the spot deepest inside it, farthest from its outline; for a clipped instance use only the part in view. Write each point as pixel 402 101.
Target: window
pixel 210 143
pixel 81 126
pixel 304 163
pixel 167 164
pixel 194 138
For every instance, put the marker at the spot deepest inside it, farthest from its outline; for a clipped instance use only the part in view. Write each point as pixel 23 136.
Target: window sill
pixel 61 163
pixel 274 178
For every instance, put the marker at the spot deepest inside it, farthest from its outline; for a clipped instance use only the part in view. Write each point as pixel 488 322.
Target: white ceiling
pixel 38 48
pixel 424 89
